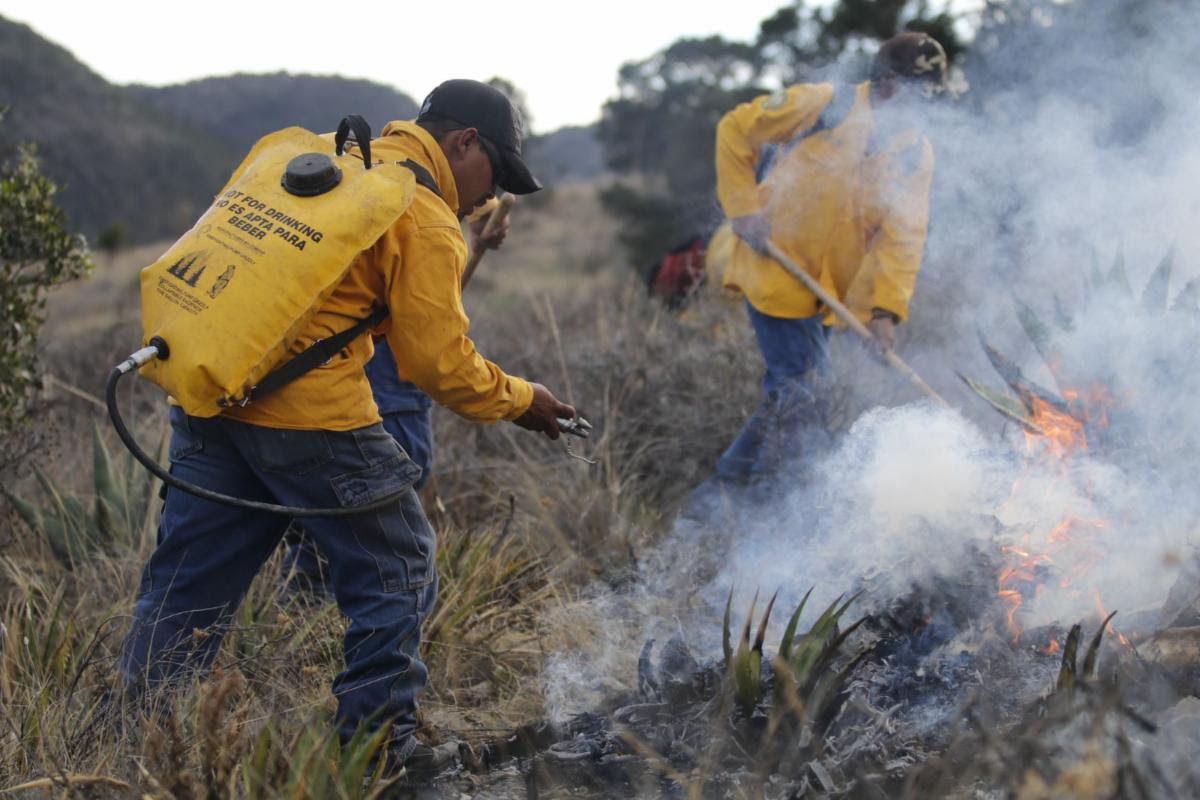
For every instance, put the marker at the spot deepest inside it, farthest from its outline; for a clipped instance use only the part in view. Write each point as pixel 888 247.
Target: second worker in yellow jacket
pixel 838 178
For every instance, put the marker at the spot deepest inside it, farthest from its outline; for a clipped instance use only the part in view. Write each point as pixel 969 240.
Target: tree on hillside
pixel 661 129
pixel 518 99
pixel 36 253
pixel 797 40
pixel 111 240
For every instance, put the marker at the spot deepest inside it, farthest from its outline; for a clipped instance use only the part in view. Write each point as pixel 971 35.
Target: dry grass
pixel 522 528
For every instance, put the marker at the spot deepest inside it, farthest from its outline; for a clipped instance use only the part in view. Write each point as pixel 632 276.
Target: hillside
pixel 567 154
pixel 237 109
pixel 150 158
pixel 117 159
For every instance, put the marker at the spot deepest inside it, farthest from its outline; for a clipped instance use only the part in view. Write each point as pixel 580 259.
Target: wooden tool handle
pixel 494 219
pixel 845 316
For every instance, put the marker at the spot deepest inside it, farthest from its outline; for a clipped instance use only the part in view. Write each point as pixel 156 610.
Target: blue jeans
pixel 795 351
pixel 407 416
pixel 381 565
pixel 405 409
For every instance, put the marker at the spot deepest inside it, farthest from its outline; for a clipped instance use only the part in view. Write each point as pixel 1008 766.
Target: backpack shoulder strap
pixel 312 356
pixel 423 176
pixel 834 114
pixel 354 129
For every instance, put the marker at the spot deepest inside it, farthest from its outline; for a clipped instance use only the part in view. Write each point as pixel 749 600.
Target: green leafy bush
pixel 36 252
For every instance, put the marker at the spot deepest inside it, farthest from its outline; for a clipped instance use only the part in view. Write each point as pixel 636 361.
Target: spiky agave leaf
pixel 1026 389
pixel 821 706
pixel 827 654
pixel 789 633
pixel 762 626
pixel 1154 295
pixel 749 676
pixel 804 684
pixel 1039 335
pixel 1062 318
pixel 1188 298
pixel 1032 324
pixel 65 523
pixel 1007 406
pixel 747 666
pixel 786 695
pixel 1067 677
pixel 812 645
pixel 1097 277
pixel 1089 660
pixel 30 514
pixel 1117 276
pixel 111 503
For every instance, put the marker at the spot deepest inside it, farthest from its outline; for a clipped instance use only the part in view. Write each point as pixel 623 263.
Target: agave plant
pixel 804 683
pixel 1109 301
pixel 118 516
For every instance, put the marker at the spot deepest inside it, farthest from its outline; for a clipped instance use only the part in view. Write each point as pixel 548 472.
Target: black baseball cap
pixel 488 110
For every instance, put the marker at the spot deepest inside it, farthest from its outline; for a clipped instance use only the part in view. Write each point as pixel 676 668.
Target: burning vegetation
pixel 968 681
pixel 956 610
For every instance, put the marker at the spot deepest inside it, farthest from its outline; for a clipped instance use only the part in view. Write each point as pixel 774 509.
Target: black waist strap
pixel 313 356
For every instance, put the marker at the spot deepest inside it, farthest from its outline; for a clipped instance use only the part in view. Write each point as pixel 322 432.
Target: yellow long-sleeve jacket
pixel 849 204
pixel 415 269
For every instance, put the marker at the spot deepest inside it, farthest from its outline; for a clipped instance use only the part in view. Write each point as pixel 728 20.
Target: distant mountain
pixel 571 153
pixel 238 109
pixel 151 158
pixel 117 159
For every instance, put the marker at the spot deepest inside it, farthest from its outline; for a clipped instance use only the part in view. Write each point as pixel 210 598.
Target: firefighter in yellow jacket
pixel 838 178
pixel 317 442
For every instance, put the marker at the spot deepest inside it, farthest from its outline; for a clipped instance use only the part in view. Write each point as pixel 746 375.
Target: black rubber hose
pixel 110 397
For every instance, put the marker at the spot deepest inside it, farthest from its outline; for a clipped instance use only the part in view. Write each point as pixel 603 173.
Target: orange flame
pixel 1061 432
pixel 1074 543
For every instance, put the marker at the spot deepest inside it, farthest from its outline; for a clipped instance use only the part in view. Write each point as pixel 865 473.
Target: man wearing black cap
pixel 838 178
pixel 318 443
pixel 493 117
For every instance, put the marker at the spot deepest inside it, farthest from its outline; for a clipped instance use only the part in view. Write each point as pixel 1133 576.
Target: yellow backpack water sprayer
pixel 222 307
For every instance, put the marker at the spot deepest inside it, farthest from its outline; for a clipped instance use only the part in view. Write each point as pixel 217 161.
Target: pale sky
pixel 564 55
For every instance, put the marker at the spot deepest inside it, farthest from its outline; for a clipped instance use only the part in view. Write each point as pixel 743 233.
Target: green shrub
pixel 36 252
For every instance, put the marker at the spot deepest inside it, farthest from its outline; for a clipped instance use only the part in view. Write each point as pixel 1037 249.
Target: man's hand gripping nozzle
pixel 576 427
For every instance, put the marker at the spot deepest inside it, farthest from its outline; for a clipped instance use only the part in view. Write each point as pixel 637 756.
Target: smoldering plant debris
pixel 924 696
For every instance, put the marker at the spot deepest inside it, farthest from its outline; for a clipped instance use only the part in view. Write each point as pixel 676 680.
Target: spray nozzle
pixel 576 427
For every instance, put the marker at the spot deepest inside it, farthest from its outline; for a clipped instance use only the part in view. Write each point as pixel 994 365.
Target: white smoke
pixel 1076 143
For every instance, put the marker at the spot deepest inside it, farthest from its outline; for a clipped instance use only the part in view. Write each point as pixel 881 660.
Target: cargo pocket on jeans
pixel 398 537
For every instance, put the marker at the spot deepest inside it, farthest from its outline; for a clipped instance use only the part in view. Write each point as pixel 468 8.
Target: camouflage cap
pixel 911 56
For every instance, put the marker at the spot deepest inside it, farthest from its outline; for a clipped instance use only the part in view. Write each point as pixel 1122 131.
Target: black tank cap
pixel 310 174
